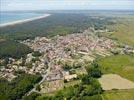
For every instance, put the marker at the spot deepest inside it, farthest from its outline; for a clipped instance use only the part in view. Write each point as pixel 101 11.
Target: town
pixel 61 57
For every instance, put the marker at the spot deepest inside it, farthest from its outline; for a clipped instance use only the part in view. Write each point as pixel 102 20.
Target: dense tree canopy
pixel 56 24
pixel 13 49
pixel 15 89
pixel 94 70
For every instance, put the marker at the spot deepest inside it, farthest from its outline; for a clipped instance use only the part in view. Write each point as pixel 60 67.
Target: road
pixel 43 79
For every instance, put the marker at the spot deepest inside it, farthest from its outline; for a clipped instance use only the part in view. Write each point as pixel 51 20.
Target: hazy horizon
pixel 18 5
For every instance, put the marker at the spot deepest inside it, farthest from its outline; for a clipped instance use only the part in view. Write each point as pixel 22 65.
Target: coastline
pixel 23 21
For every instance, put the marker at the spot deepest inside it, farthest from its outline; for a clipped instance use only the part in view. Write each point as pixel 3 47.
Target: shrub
pixel 32 96
pixel 93 88
pixel 93 70
pixel 66 67
pixel 36 54
pixel 38 88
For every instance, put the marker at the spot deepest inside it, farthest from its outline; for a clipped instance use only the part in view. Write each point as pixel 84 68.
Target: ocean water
pixel 6 17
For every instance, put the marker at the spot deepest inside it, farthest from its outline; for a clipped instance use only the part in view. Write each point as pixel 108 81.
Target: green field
pixel 118 95
pixel 122 65
pixel 123 30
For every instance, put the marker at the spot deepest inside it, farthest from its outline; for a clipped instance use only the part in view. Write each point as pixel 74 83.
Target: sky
pixel 11 5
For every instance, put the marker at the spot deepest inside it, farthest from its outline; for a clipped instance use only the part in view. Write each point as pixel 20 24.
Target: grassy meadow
pixel 123 30
pixel 118 95
pixel 122 65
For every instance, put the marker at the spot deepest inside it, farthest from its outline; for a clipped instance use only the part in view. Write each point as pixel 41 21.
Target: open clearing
pixel 124 30
pixel 122 65
pixel 113 81
pixel 118 95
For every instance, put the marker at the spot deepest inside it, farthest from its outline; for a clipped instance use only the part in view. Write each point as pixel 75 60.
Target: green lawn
pixel 122 65
pixel 118 95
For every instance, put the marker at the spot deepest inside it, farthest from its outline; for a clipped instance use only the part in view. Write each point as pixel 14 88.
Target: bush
pixel 93 88
pixel 35 59
pixel 94 70
pixel 85 79
pixel 65 81
pixel 32 96
pixel 66 67
pixel 29 65
pixel 36 54
pixel 72 71
pixel 38 88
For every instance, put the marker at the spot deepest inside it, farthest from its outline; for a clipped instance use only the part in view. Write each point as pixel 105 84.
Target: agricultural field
pixel 122 65
pixel 114 81
pixel 118 95
pixel 123 30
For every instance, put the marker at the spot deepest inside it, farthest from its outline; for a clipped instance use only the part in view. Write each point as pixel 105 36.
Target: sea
pixel 6 17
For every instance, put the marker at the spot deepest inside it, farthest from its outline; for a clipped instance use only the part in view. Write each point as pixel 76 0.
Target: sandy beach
pixel 24 21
